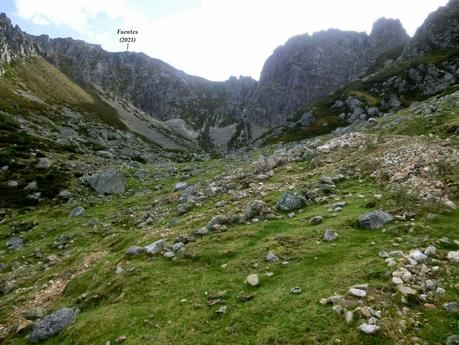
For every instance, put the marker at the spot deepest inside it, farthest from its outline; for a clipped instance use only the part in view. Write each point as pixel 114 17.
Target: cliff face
pixel 300 72
pixel 439 31
pixel 13 42
pixel 297 74
pixel 307 67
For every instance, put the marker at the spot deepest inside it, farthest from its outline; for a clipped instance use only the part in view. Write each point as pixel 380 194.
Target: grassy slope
pixel 146 305
pixel 326 115
pixel 52 86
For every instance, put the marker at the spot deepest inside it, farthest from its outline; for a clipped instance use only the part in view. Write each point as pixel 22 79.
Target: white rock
pixel 453 256
pixel 253 280
pixel 418 255
pixel 430 251
pixel 368 329
pixel 357 292
pixel 348 316
pixel 397 280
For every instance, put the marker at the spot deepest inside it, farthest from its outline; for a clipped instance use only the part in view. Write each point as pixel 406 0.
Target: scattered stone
pixel 201 232
pixel 383 254
pixel 348 316
pixel 334 299
pixel 330 235
pixel 31 186
pixel 155 247
pixel 14 243
pixel 315 220
pixel 375 220
pixel 453 256
pixel 180 186
pixel 430 284
pixel 418 255
pixel 34 313
pixel 295 290
pixel 43 163
pixel 253 279
pixel 107 182
pixel 406 290
pixel 134 250
pixel 53 323
pixel 430 251
pixel 77 211
pixel 222 310
pixel 451 307
pixel 257 209
pixel 120 339
pixel 65 195
pixel 290 201
pixel 368 329
pixel 244 297
pixel 271 257
pixel 12 183
pixel 337 309
pixel 452 340
pixel 357 292
pixel 397 280
pixel 177 246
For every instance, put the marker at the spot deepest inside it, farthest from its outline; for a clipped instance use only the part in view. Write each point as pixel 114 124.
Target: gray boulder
pixel 290 201
pixel 43 163
pixel 257 209
pixel 134 250
pixel 451 307
pixel 77 211
pixel 375 219
pixel 330 235
pixel 155 247
pixel 180 186
pixel 307 120
pixel 52 324
pixel 452 340
pixel 107 182
pixel 14 243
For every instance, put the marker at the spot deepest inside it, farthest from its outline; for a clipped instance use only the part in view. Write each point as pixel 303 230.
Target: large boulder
pixel 107 182
pixel 156 247
pixel 375 219
pixel 257 209
pixel 52 324
pixel 290 201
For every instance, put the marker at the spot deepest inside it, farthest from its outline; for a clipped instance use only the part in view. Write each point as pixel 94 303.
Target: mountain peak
pixel 439 31
pixel 13 42
pixel 388 33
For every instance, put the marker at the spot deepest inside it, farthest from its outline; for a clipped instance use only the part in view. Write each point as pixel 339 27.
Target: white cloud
pixel 221 37
pixel 75 14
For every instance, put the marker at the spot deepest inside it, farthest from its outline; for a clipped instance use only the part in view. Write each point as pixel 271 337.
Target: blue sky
pixel 210 38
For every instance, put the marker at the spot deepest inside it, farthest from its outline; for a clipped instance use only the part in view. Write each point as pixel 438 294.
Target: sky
pixel 214 39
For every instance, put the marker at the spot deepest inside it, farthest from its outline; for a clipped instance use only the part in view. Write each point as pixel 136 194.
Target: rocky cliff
pixel 13 42
pixel 439 31
pixel 232 113
pixel 308 67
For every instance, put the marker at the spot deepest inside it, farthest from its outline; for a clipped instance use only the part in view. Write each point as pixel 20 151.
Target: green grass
pixel 145 303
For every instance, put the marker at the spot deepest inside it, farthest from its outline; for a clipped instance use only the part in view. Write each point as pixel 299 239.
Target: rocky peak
pixel 387 34
pixel 13 42
pixel 308 67
pixel 439 31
